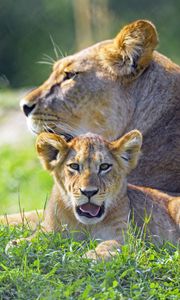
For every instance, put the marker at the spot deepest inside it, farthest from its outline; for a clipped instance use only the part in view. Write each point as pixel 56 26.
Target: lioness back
pixel 113 87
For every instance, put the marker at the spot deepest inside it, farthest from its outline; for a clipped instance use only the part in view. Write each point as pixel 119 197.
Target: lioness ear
pixel 51 149
pixel 132 49
pixel 127 149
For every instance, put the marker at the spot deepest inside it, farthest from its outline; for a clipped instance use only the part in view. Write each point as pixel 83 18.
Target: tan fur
pixel 161 212
pixel 112 88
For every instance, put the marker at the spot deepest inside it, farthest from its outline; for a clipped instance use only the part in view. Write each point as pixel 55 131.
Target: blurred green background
pixel 32 35
pixel 26 29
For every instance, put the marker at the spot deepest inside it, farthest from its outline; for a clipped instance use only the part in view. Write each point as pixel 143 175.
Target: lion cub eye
pixel 105 167
pixel 74 166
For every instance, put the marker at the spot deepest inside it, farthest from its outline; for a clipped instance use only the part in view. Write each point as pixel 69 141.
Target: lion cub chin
pixel 89 193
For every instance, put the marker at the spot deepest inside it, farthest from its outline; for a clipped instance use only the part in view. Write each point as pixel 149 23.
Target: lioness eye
pixel 105 167
pixel 70 75
pixel 74 166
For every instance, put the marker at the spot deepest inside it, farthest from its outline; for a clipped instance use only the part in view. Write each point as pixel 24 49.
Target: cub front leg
pixel 105 250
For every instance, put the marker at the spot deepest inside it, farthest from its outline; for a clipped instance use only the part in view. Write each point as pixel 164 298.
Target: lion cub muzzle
pixel 89 209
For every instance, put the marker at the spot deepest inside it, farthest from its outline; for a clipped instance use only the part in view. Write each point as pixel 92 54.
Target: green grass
pixel 52 267
pixel 22 179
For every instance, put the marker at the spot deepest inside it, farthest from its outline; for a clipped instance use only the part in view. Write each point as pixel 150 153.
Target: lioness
pixel 113 87
pixel 90 191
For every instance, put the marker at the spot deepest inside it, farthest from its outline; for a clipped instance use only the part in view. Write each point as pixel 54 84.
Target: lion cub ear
pixel 132 49
pixel 51 149
pixel 127 149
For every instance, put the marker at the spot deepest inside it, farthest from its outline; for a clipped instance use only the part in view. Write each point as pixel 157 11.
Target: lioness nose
pixel 27 109
pixel 89 194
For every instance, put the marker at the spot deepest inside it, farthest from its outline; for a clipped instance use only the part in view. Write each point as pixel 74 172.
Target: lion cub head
pixel 89 171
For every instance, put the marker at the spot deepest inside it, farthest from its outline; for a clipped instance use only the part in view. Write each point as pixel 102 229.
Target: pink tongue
pixel 91 209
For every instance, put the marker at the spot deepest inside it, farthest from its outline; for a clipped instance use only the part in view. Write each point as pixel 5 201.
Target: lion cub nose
pixel 89 193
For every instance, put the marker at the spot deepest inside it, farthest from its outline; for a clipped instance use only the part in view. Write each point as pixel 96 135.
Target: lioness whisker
pixel 48 57
pixel 43 62
pixel 56 49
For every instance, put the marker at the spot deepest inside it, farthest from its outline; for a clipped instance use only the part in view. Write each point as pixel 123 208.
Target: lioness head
pixel 87 90
pixel 89 171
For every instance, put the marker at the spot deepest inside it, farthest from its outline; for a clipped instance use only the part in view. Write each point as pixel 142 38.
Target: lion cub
pixel 89 194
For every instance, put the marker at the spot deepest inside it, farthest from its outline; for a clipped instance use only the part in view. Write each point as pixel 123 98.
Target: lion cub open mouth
pixel 90 210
